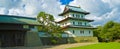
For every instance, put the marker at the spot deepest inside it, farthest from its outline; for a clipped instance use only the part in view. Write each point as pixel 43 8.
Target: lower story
pixel 78 32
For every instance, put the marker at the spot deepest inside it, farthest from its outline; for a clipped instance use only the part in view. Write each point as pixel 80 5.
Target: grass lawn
pixel 111 45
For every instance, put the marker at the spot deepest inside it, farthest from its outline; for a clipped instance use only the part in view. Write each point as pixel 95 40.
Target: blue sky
pixel 65 2
pixel 100 10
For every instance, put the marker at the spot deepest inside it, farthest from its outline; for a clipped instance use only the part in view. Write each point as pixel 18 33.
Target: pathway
pixel 63 46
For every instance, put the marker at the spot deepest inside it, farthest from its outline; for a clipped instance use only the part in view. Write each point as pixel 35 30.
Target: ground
pixel 63 46
pixel 111 45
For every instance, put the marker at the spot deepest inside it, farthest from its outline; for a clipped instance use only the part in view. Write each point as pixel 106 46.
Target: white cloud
pixel 2 10
pixel 30 10
pixel 111 16
pixel 62 7
pixel 15 11
pixel 29 7
pixel 101 10
pixel 112 3
pixel 96 7
pixel 9 3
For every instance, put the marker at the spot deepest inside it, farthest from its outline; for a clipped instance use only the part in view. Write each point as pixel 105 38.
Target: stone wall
pixel 32 39
pixel 65 40
pixel 82 39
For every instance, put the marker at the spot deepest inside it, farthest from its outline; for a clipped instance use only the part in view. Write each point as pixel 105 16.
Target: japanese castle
pixel 23 31
pixel 74 23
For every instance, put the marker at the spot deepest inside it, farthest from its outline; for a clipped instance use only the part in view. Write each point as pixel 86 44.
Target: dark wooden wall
pixel 8 26
pixel 47 41
pixel 12 35
pixel 12 38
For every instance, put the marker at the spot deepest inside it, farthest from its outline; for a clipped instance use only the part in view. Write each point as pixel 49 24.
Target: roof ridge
pixel 16 16
pixel 73 6
pixel 18 20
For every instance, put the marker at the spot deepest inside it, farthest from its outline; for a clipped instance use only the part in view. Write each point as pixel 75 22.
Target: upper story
pixel 74 16
pixel 73 11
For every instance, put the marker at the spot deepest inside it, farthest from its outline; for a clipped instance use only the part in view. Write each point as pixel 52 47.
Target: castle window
pixel 31 26
pixel 36 27
pixel 81 32
pixel 64 24
pixel 73 15
pixel 73 23
pixel 80 23
pixel 77 16
pixel 73 31
pixel 81 15
pixel 85 23
pixel 26 26
pixel 89 32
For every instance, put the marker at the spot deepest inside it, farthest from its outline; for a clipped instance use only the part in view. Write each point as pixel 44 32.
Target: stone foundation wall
pixel 65 40
pixel 32 39
pixel 82 39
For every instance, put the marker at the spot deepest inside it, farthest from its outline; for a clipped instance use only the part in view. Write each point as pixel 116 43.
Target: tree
pixel 97 32
pixel 105 33
pixel 49 26
pixel 110 31
pixel 116 31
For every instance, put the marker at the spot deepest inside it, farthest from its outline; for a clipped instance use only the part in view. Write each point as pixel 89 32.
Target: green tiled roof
pixel 69 8
pixel 75 8
pixel 18 20
pixel 82 27
pixel 68 18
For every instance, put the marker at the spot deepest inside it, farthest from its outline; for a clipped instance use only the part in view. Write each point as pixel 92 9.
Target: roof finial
pixel 78 6
pixel 67 4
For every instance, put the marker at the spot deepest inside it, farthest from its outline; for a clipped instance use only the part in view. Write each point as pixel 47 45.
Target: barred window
pixel 73 31
pixel 73 23
pixel 81 32
pixel 89 32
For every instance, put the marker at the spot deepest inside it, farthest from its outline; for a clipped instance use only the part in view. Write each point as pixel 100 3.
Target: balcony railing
pixel 75 25
pixel 66 24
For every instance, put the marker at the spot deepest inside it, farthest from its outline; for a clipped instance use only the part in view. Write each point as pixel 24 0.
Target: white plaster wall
pixel 77 32
pixel 76 22
pixel 70 22
pixel 69 34
pixel 71 15
pixel 65 23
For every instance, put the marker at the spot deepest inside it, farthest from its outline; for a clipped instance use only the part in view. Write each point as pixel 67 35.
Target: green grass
pixel 111 45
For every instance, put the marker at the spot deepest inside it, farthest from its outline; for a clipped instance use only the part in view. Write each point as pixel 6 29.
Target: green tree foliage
pixel 97 31
pixel 49 26
pixel 110 31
